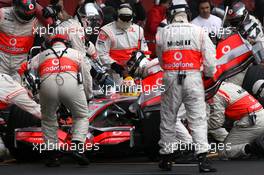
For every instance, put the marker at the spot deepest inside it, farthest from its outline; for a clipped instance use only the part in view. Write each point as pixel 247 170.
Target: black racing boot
pixel 249 149
pixel 52 159
pixel 166 162
pixel 185 156
pixel 204 164
pixel 256 147
pixel 78 154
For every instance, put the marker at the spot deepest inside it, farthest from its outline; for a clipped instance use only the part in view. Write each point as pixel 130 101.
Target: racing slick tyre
pixel 151 134
pixel 253 74
pixel 20 119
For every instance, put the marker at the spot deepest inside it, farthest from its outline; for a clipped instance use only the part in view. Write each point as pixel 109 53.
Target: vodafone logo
pixel 13 41
pixel 226 49
pixel 31 6
pixel 230 11
pixel 159 81
pixel 55 62
pixel 178 56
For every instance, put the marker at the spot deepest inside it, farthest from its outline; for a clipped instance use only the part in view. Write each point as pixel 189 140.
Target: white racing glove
pixel 91 50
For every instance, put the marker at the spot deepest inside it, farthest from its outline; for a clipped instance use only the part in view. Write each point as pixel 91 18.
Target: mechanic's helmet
pixel 237 14
pixel 90 16
pixel 258 89
pixel 125 13
pixel 177 7
pixel 124 16
pixel 51 40
pixel 24 10
pixel 136 64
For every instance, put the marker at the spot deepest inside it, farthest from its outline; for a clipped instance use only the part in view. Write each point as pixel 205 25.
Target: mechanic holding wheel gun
pixel 117 41
pixel 62 70
pixel 185 51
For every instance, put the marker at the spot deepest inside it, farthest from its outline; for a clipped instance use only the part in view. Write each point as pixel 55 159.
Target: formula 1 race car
pixel 120 120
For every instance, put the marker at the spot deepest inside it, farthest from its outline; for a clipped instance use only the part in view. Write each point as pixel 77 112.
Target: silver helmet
pixel 176 7
pixel 237 14
pixel 90 15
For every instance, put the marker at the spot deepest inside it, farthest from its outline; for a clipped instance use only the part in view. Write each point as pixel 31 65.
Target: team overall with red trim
pixel 59 84
pixel 116 45
pixel 185 51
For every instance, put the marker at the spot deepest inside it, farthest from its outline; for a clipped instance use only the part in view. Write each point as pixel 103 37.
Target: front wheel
pixel 20 119
pixel 151 134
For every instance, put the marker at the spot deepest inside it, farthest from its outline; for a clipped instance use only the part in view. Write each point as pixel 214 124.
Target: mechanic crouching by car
pixel 62 78
pixel 184 49
pixel 246 137
pixel 117 41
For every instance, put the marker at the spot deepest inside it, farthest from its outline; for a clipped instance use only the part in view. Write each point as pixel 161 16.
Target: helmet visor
pixel 125 18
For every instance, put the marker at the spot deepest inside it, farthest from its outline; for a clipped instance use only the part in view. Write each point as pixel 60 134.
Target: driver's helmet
pixel 129 87
pixel 24 10
pixel 136 64
pixel 237 14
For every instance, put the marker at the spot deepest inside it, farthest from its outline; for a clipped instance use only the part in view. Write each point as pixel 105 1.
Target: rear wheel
pixel 20 119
